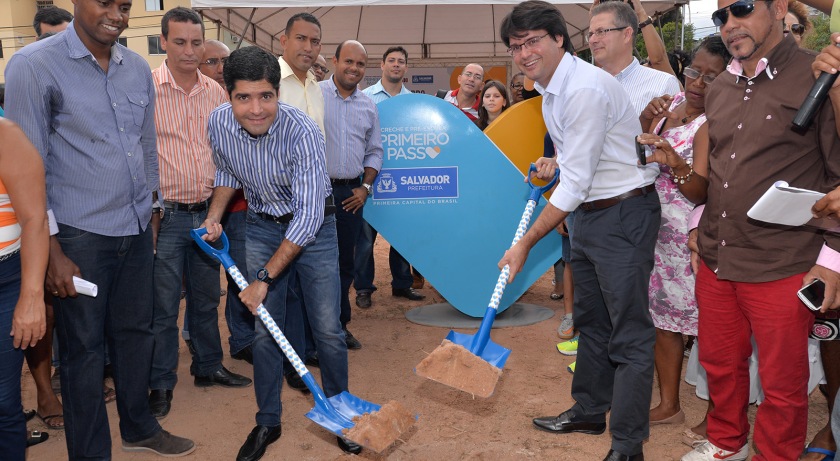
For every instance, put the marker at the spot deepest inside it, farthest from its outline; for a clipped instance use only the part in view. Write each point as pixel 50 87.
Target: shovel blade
pixel 493 353
pixel 347 405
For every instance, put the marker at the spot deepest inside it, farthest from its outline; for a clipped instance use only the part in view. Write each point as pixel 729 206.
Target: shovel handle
pixel 537 191
pixel 222 255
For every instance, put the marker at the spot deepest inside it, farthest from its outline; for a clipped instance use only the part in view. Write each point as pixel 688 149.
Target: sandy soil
pixel 452 425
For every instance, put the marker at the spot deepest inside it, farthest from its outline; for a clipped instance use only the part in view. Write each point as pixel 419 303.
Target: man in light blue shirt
pixel 354 154
pixel 87 104
pixel 394 65
pixel 593 125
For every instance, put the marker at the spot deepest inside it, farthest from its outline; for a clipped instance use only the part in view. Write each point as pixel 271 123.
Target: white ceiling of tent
pixel 428 29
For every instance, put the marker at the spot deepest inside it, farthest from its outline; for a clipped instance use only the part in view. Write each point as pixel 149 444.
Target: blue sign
pixel 450 202
pixel 416 183
pixel 422 79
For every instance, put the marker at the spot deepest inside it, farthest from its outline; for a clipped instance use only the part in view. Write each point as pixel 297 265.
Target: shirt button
pixel 746 98
pixel 732 156
pixel 750 82
pixel 723 215
pixel 115 104
pixel 749 90
pixel 121 129
pixel 723 243
pixel 129 154
pixel 740 125
pixel 726 185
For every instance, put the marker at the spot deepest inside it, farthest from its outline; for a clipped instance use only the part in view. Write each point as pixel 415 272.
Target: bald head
pixel 350 61
pixel 471 80
pixel 212 65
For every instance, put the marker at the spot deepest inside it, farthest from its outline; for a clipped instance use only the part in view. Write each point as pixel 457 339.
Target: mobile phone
pixel 813 294
pixel 641 152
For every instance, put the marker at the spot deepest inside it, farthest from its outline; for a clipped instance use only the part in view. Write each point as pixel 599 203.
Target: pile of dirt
pixel 378 430
pixel 455 366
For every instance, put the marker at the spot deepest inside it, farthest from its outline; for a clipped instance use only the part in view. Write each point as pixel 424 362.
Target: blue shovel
pixel 335 413
pixel 480 344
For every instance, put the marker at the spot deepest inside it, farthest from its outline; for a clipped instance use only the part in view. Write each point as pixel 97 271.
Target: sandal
pixel 46 421
pixel 109 394
pixel 829 455
pixel 556 296
pixel 29 414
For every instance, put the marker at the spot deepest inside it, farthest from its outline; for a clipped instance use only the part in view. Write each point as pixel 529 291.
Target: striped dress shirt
pixel 187 171
pixel 306 95
pixel 643 84
pixel 95 131
pixel 354 141
pixel 281 171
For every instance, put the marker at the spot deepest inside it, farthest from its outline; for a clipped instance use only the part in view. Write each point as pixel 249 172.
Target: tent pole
pixel 247 25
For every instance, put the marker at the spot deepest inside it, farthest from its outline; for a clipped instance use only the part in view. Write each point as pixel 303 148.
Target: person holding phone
pixel 679 138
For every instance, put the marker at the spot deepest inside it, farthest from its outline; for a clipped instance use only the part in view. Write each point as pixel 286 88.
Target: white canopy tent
pixel 430 30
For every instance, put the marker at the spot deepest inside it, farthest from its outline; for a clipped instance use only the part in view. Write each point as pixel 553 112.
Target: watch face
pixel 262 274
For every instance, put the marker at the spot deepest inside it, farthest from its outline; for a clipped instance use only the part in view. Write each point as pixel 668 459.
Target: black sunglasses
pixel 739 9
pixel 797 29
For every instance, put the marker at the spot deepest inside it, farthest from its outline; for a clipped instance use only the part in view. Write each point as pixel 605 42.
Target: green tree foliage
pixel 670 33
pixel 819 36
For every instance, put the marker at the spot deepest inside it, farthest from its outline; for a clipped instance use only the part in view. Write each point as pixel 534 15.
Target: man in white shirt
pixel 593 124
pixel 612 38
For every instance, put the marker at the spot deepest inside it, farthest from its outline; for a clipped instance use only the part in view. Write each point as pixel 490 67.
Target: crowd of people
pixel 106 165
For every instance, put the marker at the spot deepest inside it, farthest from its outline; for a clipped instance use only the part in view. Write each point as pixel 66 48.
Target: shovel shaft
pixel 501 283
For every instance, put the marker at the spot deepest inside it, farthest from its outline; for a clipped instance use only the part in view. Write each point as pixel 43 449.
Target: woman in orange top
pixel 24 245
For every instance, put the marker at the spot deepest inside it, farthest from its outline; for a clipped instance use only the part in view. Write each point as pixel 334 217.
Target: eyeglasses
pixel 215 61
pixel 528 44
pixel 739 9
pixel 321 68
pixel 694 75
pixel 797 29
pixel 516 86
pixel 473 76
pixel 602 32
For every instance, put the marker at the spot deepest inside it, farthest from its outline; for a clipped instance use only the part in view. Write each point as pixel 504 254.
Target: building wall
pixel 16 27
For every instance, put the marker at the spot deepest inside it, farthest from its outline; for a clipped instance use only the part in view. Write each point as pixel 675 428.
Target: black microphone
pixel 813 101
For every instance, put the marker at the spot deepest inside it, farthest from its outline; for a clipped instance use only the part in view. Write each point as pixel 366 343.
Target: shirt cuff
pixel 53 223
pixel 694 217
pixel 564 201
pixel 829 258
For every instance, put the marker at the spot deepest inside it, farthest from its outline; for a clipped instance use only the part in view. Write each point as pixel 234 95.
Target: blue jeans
pixel 401 277
pixel 179 258
pixel 317 269
pixel 12 422
pixel 119 318
pixel 240 320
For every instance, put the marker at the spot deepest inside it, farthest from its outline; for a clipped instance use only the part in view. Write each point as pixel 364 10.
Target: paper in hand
pixel 790 206
pixel 83 287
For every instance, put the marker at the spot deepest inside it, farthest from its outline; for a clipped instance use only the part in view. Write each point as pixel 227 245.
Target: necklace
pixel 687 117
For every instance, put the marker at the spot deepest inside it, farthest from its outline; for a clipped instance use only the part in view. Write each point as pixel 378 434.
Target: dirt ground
pixel 451 426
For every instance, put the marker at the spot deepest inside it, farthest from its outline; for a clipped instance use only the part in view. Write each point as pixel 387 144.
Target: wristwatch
pixel 645 23
pixel 262 276
pixel 367 187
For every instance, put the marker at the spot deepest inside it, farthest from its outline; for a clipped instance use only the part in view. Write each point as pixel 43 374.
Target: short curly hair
pixel 799 10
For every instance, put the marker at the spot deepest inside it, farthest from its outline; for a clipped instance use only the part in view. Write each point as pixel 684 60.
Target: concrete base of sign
pixel 446 316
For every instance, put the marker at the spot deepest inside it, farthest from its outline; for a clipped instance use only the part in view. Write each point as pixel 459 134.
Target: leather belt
pixel 329 208
pixel 608 202
pixel 188 207
pixel 356 182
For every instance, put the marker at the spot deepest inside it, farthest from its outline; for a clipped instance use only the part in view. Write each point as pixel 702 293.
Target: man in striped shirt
pixel 185 98
pixel 354 154
pixel 276 153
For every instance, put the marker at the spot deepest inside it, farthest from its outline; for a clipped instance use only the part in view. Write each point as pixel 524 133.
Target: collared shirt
pixel 751 147
pixel 95 131
pixel 377 92
pixel 643 84
pixel 592 124
pixel 471 112
pixel 354 141
pixel 306 95
pixel 282 171
pixel 186 163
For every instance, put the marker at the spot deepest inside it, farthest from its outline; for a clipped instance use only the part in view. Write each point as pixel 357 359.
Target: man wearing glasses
pixel 593 125
pixel 320 68
pixel 213 65
pixel 612 38
pixel 470 82
pixel 750 271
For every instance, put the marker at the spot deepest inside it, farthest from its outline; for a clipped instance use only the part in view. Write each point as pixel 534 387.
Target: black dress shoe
pixel 160 402
pixel 296 382
pixel 258 440
pixel 352 342
pixel 246 354
pixel 409 293
pixel 349 447
pixel 566 423
pixel 313 361
pixel 222 377
pixel 616 456
pixel 363 300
